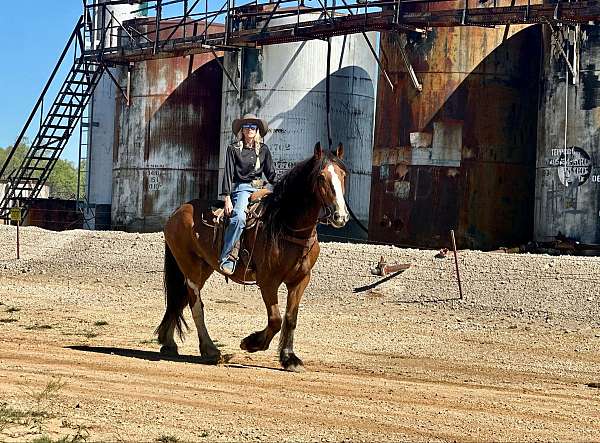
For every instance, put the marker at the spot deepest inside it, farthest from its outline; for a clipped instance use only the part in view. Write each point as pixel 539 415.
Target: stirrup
pixel 227 267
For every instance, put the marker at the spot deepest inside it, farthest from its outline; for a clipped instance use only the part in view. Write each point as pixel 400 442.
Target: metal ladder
pixel 55 129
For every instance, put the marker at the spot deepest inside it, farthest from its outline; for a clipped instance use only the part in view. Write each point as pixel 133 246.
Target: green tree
pixel 62 180
pixel 16 160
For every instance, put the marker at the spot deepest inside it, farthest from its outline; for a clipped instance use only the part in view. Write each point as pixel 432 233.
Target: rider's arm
pixel 227 183
pixel 269 166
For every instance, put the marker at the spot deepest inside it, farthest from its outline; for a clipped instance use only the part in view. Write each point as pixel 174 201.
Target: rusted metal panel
pixel 54 214
pixel 568 167
pixel 460 154
pixel 167 140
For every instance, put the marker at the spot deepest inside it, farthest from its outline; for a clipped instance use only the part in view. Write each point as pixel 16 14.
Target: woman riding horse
pixel 245 162
pixel 285 249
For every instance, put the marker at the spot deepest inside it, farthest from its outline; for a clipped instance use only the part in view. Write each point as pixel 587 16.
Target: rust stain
pixel 168 137
pixel 459 155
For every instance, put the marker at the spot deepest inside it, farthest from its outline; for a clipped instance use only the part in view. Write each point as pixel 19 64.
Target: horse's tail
pixel 175 299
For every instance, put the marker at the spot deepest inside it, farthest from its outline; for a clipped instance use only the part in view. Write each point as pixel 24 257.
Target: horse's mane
pixel 293 190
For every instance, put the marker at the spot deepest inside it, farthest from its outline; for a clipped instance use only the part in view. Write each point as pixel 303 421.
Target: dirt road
pixel 397 361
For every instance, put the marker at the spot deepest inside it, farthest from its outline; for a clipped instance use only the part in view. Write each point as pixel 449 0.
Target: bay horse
pixel 285 250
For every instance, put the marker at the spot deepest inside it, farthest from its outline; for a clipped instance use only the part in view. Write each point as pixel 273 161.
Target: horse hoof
pixel 169 350
pixel 292 363
pixel 253 343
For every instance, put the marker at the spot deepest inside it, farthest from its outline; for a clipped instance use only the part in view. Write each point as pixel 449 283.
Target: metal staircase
pixel 28 178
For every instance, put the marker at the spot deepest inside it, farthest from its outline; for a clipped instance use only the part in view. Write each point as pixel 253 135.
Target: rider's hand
pixel 228 206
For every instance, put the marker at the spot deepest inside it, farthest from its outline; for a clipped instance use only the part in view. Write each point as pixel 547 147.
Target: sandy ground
pixel 400 359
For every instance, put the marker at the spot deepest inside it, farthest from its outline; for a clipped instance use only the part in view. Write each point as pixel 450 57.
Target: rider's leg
pixel 237 221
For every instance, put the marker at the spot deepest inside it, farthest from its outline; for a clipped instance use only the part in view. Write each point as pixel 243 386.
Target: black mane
pixel 294 190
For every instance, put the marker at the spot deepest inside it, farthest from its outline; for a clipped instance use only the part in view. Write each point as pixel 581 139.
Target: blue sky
pixel 32 35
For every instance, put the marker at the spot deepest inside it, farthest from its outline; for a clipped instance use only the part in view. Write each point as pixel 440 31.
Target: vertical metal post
pixel 18 244
pixel 158 18
pixel 103 26
pixel 227 23
pixel 129 67
pixel 205 20
pixel 328 93
pixel 185 12
pixel 566 132
pixel 398 9
pixel 456 263
pixel 18 223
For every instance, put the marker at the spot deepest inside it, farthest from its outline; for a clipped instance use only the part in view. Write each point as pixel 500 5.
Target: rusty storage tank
pixel 101 127
pixel 167 137
pixel 567 197
pixel 285 85
pixel 459 154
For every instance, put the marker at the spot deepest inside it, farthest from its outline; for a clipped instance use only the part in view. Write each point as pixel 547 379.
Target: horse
pixel 285 249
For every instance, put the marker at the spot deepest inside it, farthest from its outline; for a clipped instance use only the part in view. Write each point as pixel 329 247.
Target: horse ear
pixel 339 152
pixel 318 151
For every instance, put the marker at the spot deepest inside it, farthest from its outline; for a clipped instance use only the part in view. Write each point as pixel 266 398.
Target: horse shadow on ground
pixel 157 356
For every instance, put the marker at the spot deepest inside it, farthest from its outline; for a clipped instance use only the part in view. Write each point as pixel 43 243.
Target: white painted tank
pixel 285 84
pixel 101 133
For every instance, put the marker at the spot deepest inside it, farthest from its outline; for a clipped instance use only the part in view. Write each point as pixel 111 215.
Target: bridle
pixel 325 217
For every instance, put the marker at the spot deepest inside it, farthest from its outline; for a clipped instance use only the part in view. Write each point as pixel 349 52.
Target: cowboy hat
pixel 250 118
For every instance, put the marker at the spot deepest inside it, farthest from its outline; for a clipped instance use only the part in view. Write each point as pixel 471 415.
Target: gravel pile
pixel 519 285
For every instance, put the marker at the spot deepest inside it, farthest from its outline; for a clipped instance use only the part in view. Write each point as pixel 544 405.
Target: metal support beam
pixel 411 72
pixel 554 32
pixel 224 70
pixel 379 64
pixel 119 87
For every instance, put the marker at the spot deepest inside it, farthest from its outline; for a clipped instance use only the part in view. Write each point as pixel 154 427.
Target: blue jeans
pixel 237 222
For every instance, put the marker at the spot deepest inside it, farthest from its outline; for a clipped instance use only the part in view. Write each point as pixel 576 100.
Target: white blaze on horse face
pixel 340 204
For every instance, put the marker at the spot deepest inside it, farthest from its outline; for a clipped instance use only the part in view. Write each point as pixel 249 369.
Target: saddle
pixel 243 249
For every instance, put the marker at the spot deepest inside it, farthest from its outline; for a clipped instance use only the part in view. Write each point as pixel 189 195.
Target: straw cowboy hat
pixel 250 118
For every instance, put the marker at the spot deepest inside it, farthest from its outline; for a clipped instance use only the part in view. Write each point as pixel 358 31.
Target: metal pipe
pixel 224 70
pixel 327 93
pixel 158 18
pixel 456 263
pixel 566 119
pixel 381 68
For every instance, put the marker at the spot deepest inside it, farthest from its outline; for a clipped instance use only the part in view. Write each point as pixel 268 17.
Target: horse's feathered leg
pixel 289 361
pixel 176 300
pixel 195 283
pixel 260 340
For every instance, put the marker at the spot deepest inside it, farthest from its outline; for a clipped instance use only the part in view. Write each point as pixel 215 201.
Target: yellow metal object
pixel 15 214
